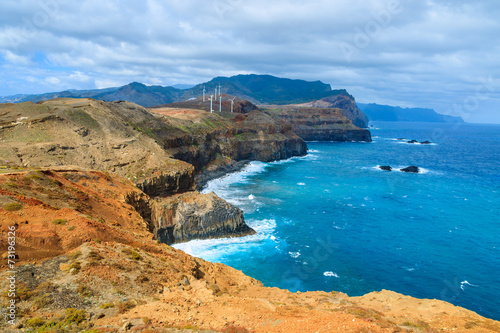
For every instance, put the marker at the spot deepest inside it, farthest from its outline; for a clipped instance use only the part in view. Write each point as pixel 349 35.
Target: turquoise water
pixel 333 221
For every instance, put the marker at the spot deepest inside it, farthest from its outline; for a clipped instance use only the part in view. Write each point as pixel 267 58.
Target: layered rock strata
pixel 320 124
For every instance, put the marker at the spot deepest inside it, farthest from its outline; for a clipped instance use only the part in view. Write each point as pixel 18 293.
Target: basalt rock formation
pixel 320 124
pixel 193 215
pixel 346 103
pixel 209 140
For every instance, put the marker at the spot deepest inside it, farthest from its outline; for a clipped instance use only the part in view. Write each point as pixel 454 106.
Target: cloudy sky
pixel 439 54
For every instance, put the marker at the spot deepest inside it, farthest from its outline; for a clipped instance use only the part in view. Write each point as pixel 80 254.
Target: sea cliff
pixel 160 152
pixel 321 124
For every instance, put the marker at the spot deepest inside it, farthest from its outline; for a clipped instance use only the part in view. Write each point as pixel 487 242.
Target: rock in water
pixel 426 142
pixel 385 167
pixel 412 169
pixel 412 141
pixel 192 215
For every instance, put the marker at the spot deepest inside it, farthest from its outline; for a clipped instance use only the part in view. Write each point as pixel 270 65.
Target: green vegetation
pixel 35 322
pixel 71 320
pixel 75 255
pixel 60 221
pixel 133 254
pixel 23 292
pixel 85 291
pixel 13 206
pixel 82 118
pixel 77 266
pixel 125 306
pixel 42 301
pixel 107 306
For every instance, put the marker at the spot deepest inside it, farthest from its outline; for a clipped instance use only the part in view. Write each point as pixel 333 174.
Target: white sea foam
pixel 294 254
pixel 214 249
pixel 301 184
pixel 241 176
pixel 330 274
pixel 251 197
pixel 466 283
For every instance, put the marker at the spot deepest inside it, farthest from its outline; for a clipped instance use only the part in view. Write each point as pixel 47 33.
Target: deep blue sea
pixel 333 221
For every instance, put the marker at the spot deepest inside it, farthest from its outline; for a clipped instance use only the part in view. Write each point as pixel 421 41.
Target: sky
pixel 438 54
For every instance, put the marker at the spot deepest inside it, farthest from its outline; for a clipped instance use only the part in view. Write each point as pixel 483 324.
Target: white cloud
pixel 15 59
pixel 422 53
pixel 53 80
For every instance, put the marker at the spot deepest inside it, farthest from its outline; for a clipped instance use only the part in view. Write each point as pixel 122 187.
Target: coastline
pixel 202 178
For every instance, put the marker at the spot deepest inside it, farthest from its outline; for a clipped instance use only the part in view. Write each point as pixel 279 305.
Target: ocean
pixel 334 221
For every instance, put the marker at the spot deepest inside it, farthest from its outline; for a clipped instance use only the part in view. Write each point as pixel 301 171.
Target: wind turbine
pixel 204 93
pixel 215 93
pixel 220 103
pixel 211 110
pixel 219 92
pixel 232 103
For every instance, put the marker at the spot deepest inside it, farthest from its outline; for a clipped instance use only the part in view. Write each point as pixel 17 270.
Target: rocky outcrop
pixel 346 103
pixel 168 182
pixel 385 167
pixel 348 106
pixel 321 124
pixel 411 169
pixel 193 215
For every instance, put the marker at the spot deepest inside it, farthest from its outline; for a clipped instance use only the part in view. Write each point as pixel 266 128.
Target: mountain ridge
pixel 378 112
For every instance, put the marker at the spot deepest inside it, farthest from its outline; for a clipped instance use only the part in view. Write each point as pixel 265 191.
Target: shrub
pixel 77 266
pixel 107 305
pixel 84 291
pixel 125 306
pixel 60 221
pixel 75 316
pixel 35 322
pixel 13 206
pixel 94 255
pixel 133 254
pixel 75 255
pixel 42 301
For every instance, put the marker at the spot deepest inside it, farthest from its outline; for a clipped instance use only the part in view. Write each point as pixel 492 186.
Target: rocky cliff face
pixel 320 124
pixel 346 103
pixel 168 182
pixel 120 137
pixel 209 139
